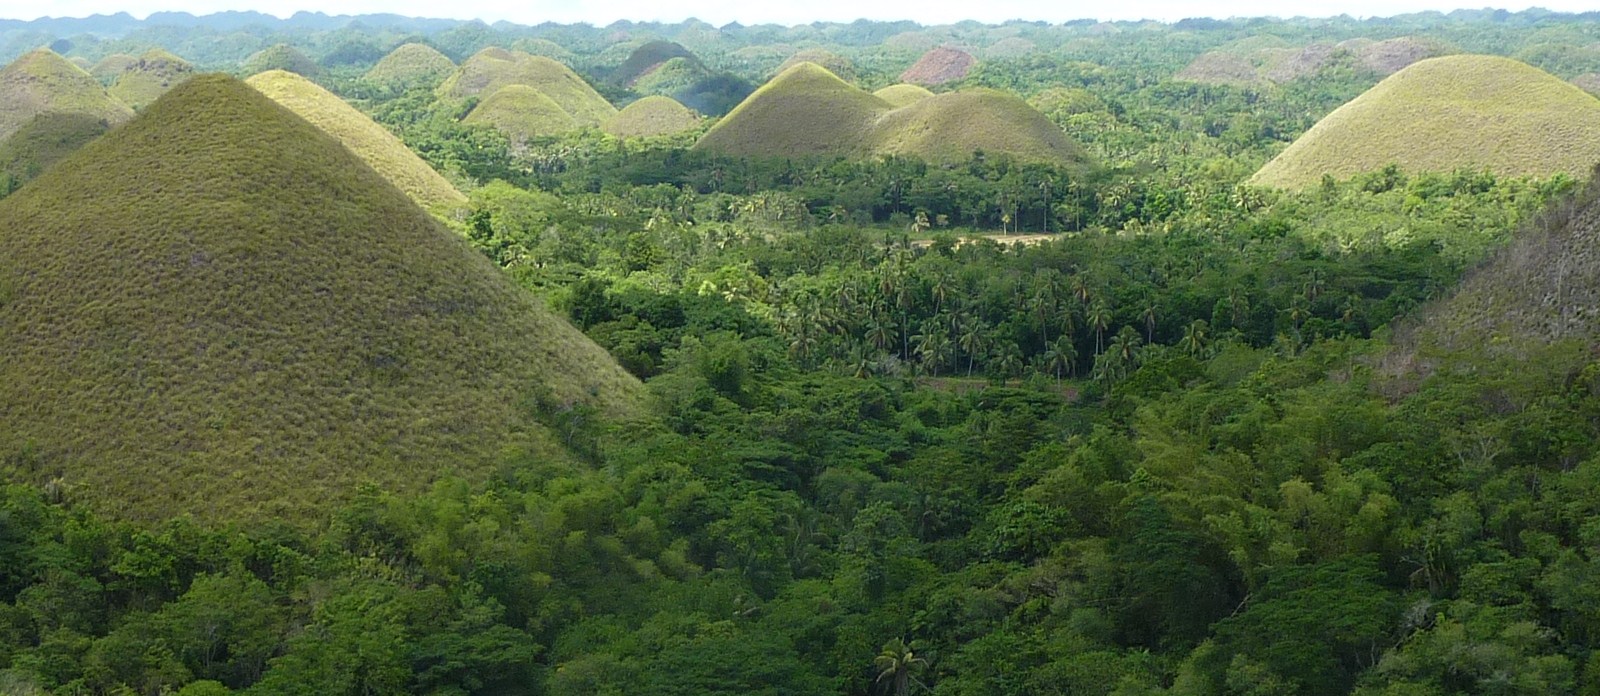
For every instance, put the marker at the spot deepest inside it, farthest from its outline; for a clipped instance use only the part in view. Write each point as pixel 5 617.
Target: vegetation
pixel 939 66
pixel 410 65
pixel 840 66
pixel 42 142
pixel 899 95
pixel 651 116
pixel 522 113
pixel 491 70
pixel 1443 114
pixel 282 57
pixel 377 147
pixel 149 77
pixel 111 67
pixel 42 82
pixel 245 321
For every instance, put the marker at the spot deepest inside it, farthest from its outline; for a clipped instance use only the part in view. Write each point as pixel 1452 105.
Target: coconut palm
pixel 898 666
pixel 1061 357
pixel 1196 336
pixel 1099 319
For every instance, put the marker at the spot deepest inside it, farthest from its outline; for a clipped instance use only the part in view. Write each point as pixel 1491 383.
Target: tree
pixel 1061 357
pixel 898 666
pixel 1099 319
pixel 1196 336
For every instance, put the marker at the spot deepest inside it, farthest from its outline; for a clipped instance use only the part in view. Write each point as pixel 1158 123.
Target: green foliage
pixel 411 65
pixel 490 70
pixel 150 76
pixel 42 82
pixel 282 57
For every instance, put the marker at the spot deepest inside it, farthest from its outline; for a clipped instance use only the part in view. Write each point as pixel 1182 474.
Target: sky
pixel 720 12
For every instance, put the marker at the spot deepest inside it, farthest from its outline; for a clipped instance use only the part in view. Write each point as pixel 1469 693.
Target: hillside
pixel 651 116
pixel 522 113
pixel 950 127
pixel 1588 82
pixel 1443 114
pixel 282 57
pixel 834 63
pixel 409 65
pixel 805 110
pixel 939 66
pixel 370 141
pixel 111 67
pixel 903 94
pixel 219 310
pixel 493 68
pixel 41 142
pixel 42 82
pixel 149 77
pixel 647 58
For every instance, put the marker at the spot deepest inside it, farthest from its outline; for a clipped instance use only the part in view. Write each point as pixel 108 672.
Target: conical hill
pixel 149 77
pixel 522 113
pixel 1443 114
pixel 411 64
pixel 42 82
pixel 41 142
pixel 805 110
pixel 903 94
pixel 493 68
pixel 952 126
pixel 366 138
pixel 217 309
pixel 650 117
pixel 282 57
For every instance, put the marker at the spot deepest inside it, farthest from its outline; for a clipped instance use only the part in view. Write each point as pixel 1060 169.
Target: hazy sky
pixel 757 11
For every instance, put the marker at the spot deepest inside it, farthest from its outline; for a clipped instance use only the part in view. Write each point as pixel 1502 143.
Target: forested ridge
pixel 1130 426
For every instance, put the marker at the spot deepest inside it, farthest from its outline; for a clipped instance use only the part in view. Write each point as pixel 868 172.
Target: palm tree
pixel 1080 289
pixel 1238 305
pixel 971 341
pixel 933 348
pixel 1099 319
pixel 881 333
pixel 1149 317
pixel 1195 338
pixel 1009 363
pixel 1061 357
pixel 898 664
pixel 940 290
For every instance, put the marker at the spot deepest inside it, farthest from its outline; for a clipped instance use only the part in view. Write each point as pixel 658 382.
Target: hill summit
pixel 939 66
pixel 411 64
pixel 651 116
pixel 492 69
pixel 1443 114
pixel 217 309
pixel 370 141
pixel 42 82
pixel 149 77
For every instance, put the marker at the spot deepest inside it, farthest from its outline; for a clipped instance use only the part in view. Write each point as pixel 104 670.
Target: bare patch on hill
pixel 939 66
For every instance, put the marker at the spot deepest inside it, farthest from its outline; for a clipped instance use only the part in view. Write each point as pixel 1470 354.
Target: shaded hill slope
pixel 282 57
pixel 370 141
pixel 493 68
pixel 42 82
pixel 217 309
pixel 41 142
pixel 150 76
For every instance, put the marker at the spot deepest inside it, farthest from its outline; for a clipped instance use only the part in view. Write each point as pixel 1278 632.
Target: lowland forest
pixel 367 355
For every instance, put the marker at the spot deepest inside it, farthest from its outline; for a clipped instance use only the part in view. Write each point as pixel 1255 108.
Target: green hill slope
pixel 521 113
pixel 282 57
pixel 903 94
pixel 149 77
pixel 111 67
pixel 647 58
pixel 805 110
pixel 42 82
pixel 374 144
pixel 950 127
pixel 217 309
pixel 493 68
pixel 1442 114
pixel 651 116
pixel 409 65
pixel 43 141
pixel 834 63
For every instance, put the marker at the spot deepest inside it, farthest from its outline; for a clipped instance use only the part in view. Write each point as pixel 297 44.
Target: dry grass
pixel 1444 114
pixel 950 127
pixel 411 64
pixel 522 113
pixel 651 117
pixel 42 82
pixel 903 94
pixel 494 68
pixel 149 77
pixel 939 66
pixel 217 309
pixel 370 141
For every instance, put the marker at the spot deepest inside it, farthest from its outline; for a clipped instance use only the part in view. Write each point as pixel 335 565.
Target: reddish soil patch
pixel 938 66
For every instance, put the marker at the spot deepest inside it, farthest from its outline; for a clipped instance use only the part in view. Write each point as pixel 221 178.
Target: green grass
pixel 834 63
pixel 217 309
pixel 282 57
pixel 110 67
pixel 149 77
pixel 542 47
pixel 493 68
pixel 808 110
pixel 939 66
pixel 651 116
pixel 411 64
pixel 43 82
pixel 648 57
pixel 370 141
pixel 45 140
pixel 903 94
pixel 522 113
pixel 1444 114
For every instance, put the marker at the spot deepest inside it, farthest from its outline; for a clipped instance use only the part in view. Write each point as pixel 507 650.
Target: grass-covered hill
pixel 41 142
pixel 370 141
pixel 939 66
pixel 522 113
pixel 808 110
pixel 651 116
pixel 646 58
pixel 903 94
pixel 42 82
pixel 217 309
pixel 1588 82
pixel 839 65
pixel 491 69
pixel 1268 59
pixel 805 110
pixel 1443 114
pixel 411 64
pixel 111 67
pixel 149 77
pixel 282 57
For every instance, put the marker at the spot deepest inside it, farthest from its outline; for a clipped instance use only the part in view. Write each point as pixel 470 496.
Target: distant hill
pixel 409 65
pixel 41 142
pixel 648 57
pixel 903 94
pixel 218 310
pixel 667 69
pixel 282 57
pixel 1588 82
pixel 840 66
pixel 1442 114
pixel 651 116
pixel 522 113
pixel 807 110
pixel 939 66
pixel 111 67
pixel 149 77
pixel 487 71
pixel 1262 60
pixel 42 82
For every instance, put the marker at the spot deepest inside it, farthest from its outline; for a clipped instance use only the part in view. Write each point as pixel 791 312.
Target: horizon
pixel 723 12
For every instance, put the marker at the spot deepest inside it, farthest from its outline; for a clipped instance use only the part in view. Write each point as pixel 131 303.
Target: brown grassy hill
pixel 1443 114
pixel 903 94
pixel 149 77
pixel 1589 82
pixel 487 71
pixel 939 66
pixel 370 141
pixel 217 309
pixel 522 113
pixel 1219 68
pixel 840 66
pixel 41 142
pixel 805 110
pixel 950 127
pixel 411 64
pixel 282 57
pixel 650 117
pixel 1390 56
pixel 42 82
